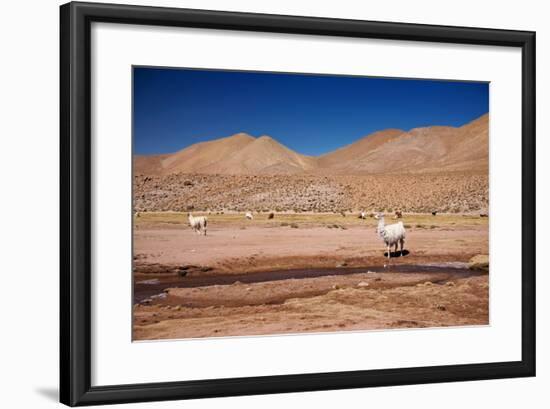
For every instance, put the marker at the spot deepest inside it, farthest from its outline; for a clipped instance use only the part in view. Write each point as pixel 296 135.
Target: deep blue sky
pixel 312 114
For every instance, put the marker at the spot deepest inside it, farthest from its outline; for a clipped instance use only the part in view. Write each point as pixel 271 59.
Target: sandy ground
pixel 304 273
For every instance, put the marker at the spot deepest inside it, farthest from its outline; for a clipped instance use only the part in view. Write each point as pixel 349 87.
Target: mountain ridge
pixel 419 150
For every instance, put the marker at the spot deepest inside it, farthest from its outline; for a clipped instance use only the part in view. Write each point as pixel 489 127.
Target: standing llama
pixel 197 223
pixel 391 234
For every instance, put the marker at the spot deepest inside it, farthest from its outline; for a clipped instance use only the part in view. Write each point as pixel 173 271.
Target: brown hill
pixel 358 151
pixel 148 164
pixel 265 156
pixel 234 155
pixel 430 149
pixel 199 157
pixel 195 158
pixel 471 150
pixel 420 150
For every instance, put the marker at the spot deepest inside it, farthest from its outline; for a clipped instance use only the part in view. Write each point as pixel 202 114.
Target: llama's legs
pixel 402 243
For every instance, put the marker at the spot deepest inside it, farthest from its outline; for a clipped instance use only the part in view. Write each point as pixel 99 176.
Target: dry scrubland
pixel 451 192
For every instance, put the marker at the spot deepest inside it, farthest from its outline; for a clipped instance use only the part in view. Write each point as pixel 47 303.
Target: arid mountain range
pixel 421 150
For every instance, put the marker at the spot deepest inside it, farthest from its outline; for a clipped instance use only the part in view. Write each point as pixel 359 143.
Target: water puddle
pixel 153 288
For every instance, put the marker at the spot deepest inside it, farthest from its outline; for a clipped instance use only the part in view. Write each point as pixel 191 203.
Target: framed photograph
pixel 257 204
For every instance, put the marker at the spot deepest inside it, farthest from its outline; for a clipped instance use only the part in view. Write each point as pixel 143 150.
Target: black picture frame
pixel 76 198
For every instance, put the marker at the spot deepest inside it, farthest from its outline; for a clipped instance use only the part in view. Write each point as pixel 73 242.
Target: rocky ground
pixel 448 192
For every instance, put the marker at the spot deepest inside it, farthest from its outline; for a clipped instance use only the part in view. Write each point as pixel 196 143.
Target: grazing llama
pixel 398 214
pixel 391 234
pixel 249 216
pixel 362 215
pixel 197 223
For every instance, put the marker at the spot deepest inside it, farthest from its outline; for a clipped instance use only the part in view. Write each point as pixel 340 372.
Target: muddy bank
pixel 332 303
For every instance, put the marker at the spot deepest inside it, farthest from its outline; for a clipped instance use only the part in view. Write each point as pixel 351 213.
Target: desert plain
pixel 304 273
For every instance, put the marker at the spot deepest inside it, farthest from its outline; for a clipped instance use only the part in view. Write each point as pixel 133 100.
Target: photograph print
pixel 269 203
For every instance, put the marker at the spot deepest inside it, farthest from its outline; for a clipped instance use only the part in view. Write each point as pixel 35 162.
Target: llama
pixel 197 223
pixel 271 215
pixel 398 214
pixel 391 234
pixel 249 216
pixel 362 215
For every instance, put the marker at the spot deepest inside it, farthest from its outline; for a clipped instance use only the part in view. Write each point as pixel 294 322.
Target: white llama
pixel 198 223
pixel 391 234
